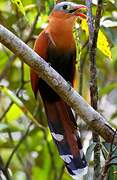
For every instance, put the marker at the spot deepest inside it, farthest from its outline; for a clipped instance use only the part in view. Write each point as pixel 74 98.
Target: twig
pixel 51 156
pixel 82 63
pixel 4 171
pixel 81 78
pixel 8 65
pixel 6 111
pixel 13 57
pixel 93 35
pixel 110 157
pixel 17 146
pixel 61 173
pixel 111 147
pixel 3 74
pixel 32 29
pixel 53 164
pixel 10 105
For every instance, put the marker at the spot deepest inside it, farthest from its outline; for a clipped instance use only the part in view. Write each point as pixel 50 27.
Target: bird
pixel 56 45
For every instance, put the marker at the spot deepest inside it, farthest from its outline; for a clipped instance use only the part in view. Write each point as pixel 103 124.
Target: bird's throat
pixel 61 33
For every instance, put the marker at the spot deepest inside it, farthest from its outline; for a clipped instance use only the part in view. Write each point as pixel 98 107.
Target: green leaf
pixel 3 127
pixel 30 7
pixel 104 151
pixel 103 45
pixel 90 151
pixel 102 42
pixel 112 174
pixel 19 5
pixel 114 115
pixel 13 127
pixel 38 173
pixel 20 104
pixel 107 89
pixel 14 113
pixel 114 148
pixel 19 175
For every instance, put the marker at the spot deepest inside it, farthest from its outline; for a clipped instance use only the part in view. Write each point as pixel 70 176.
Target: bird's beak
pixel 78 11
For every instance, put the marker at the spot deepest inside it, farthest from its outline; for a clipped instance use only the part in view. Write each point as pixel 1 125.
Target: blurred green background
pixel 36 157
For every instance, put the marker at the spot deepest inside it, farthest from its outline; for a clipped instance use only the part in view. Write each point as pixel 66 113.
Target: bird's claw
pixel 69 86
pixel 49 63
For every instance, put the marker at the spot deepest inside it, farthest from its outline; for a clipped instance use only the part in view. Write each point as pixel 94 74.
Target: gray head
pixel 70 8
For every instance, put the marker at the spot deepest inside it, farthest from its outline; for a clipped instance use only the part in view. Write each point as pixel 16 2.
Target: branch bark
pixel 47 73
pixel 93 35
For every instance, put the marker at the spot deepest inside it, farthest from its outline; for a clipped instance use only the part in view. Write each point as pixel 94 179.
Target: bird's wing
pixel 40 47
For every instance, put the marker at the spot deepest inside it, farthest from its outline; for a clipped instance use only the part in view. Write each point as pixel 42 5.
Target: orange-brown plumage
pixel 55 33
pixel 40 47
pixel 56 45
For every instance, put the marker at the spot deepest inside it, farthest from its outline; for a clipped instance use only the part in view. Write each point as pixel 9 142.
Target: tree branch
pixel 17 146
pixel 47 73
pixel 93 35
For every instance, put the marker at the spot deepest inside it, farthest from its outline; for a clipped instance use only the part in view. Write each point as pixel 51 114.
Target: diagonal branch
pixel 47 73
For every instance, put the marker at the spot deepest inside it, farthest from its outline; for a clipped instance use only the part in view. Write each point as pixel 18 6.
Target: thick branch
pixel 47 73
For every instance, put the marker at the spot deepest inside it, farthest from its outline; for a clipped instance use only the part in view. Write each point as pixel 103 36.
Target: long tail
pixel 62 125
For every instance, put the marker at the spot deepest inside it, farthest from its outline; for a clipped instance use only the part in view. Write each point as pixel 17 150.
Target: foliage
pixel 35 155
pixel 102 42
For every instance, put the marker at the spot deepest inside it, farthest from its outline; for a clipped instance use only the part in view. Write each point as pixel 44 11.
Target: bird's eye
pixel 65 7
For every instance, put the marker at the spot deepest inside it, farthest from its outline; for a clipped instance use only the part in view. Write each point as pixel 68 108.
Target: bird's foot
pixel 69 85
pixel 49 64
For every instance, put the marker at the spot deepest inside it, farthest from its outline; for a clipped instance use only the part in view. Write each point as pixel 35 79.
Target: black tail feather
pixel 62 125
